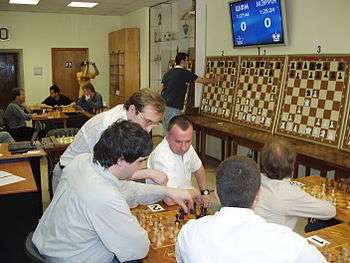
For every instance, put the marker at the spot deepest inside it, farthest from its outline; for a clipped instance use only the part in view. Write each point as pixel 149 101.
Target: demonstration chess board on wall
pixel 258 91
pixel 346 134
pixel 217 99
pixel 314 98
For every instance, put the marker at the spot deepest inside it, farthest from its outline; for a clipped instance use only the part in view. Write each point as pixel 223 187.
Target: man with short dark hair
pixel 176 157
pixel 144 107
pixel 236 233
pixel 89 219
pixel 282 202
pixel 175 84
pixel 17 114
pixel 56 98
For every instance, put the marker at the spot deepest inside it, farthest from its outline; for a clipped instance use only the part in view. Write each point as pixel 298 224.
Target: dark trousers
pixel 22 133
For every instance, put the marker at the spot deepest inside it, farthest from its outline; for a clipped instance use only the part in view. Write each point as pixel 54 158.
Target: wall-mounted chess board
pixel 217 100
pixel 345 144
pixel 258 91
pixel 314 98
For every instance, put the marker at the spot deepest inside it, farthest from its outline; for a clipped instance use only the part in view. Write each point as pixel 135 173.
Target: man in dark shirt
pixel 175 84
pixel 56 98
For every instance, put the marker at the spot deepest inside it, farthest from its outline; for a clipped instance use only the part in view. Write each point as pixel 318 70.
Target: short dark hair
pixel 277 159
pixel 16 92
pixel 180 56
pixel 146 97
pixel 55 88
pixel 90 87
pixel 180 120
pixel 238 181
pixel 122 140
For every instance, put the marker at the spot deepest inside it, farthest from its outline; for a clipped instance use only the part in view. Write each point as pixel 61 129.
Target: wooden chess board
pixel 217 100
pixel 314 97
pixel 258 91
pixel 337 254
pixel 345 144
pixel 65 140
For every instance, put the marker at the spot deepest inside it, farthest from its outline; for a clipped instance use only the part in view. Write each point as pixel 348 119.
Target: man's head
pixel 238 182
pixel 179 137
pixel 54 92
pixel 181 59
pixel 122 148
pixel 146 108
pixel 18 95
pixel 89 90
pixel 277 159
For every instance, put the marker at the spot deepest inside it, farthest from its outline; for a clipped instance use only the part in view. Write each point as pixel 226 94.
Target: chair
pixel 31 251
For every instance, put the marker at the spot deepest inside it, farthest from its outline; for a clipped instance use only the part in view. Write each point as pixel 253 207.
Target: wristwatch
pixel 205 192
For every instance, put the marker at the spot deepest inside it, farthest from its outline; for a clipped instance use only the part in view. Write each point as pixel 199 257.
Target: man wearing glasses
pixel 175 84
pixel 144 107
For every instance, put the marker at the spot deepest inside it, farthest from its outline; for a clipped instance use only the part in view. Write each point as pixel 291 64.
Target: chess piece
pixel 314 94
pixel 283 125
pixel 307 103
pixel 340 76
pixel 299 110
pixel 318 122
pixel 295 129
pixel 331 125
pixel 322 134
pixel 290 118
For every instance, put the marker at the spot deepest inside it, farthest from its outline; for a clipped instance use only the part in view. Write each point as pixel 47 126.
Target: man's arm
pixel 155 175
pixel 96 72
pixel 19 112
pixel 201 178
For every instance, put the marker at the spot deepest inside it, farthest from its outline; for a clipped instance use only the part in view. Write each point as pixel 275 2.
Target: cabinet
pixel 124 64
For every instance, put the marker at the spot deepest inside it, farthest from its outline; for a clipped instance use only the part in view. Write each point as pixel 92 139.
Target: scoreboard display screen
pixel 257 23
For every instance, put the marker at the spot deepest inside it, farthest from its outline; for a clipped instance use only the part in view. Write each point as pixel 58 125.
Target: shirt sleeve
pixel 190 76
pixel 310 254
pixel 117 229
pixel 97 103
pixel 46 101
pixel 20 113
pixel 302 204
pixel 196 163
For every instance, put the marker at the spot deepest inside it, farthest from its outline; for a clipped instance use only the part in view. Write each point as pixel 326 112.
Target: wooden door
pixel 65 65
pixel 8 77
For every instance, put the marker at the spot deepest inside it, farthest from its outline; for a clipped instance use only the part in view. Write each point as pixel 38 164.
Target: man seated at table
pixel 236 233
pixel 144 107
pixel 16 115
pixel 89 219
pixel 282 202
pixel 56 98
pixel 91 101
pixel 176 157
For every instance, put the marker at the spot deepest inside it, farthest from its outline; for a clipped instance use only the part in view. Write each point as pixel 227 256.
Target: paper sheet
pixel 8 178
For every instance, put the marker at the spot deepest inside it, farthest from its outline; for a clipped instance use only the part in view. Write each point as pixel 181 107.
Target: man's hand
pixel 157 176
pixel 204 200
pixel 183 197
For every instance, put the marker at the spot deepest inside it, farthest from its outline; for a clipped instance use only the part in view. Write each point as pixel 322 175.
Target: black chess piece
pixel 212 64
pixel 226 64
pixel 297 76
pixel 247 71
pixel 271 73
pixel 249 86
pixel 182 214
pixel 261 72
pixel 270 80
pixel 312 66
pixel 326 66
pixel 203 212
pixel 292 66
pixel 340 76
pixel 305 65
pixel 266 72
pixel 308 93
pixel 233 64
pixel 341 66
pixel 299 65
pixel 319 65
pixel 256 72
pixel 311 75
pixel 325 74
pixel 318 75
pixel 256 64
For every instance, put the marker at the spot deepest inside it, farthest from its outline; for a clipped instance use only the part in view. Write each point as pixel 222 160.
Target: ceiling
pixel 104 7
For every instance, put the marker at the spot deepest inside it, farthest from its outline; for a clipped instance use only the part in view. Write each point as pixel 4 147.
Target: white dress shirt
pixel 90 133
pixel 89 219
pixel 239 235
pixel 179 169
pixel 282 203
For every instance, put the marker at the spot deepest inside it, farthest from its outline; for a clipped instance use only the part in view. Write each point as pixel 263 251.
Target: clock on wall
pixel 4 34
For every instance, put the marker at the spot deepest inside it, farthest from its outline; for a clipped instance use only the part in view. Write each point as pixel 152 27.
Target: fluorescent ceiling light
pixel 24 2
pixel 82 4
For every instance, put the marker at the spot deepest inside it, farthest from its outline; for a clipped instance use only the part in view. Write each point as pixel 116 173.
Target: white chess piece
pixel 331 125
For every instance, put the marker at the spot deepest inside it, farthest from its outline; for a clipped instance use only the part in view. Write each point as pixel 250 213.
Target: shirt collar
pixel 105 173
pixel 178 66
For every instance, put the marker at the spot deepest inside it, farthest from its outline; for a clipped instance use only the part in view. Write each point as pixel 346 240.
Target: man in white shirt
pixel 236 233
pixel 144 107
pixel 89 219
pixel 176 157
pixel 282 202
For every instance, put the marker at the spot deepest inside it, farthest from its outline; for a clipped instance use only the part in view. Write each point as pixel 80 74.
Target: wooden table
pixel 21 208
pixel 56 116
pixel 309 154
pixel 343 214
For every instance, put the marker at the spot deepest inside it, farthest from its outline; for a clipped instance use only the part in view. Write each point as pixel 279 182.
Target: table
pixel 56 116
pixel 309 154
pixel 21 209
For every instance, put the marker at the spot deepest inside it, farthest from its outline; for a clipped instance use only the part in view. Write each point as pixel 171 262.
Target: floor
pixel 210 166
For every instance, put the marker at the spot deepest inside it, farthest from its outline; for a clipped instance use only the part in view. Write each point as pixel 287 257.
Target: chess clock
pixel 4 34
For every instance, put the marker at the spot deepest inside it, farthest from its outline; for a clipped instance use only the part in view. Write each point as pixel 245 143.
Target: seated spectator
pixel 5 137
pixel 282 202
pixel 16 115
pixel 236 233
pixel 56 98
pixel 91 101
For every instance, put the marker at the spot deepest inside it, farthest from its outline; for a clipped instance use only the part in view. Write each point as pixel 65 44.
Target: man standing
pixel 56 98
pixel 89 219
pixel 175 84
pixel 84 76
pixel 176 157
pixel 236 233
pixel 16 115
pixel 144 107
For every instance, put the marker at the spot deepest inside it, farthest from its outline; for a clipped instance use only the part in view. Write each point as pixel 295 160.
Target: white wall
pixel 37 33
pixel 140 19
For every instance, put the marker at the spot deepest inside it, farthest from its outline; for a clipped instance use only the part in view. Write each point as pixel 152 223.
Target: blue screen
pixel 257 22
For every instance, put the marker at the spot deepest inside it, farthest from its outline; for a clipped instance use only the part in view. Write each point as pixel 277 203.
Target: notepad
pixel 318 241
pixel 9 178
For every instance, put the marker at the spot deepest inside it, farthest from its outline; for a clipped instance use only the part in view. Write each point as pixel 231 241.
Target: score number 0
pixel 267 24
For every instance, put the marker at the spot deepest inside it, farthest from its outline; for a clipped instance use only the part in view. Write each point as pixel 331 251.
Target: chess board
pixel 258 91
pixel 345 144
pixel 217 100
pixel 65 140
pixel 314 98
pixel 337 254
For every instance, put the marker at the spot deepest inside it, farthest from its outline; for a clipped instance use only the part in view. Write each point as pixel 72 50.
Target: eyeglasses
pixel 147 122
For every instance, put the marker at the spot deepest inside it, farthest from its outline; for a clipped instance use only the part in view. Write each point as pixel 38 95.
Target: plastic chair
pixel 31 251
